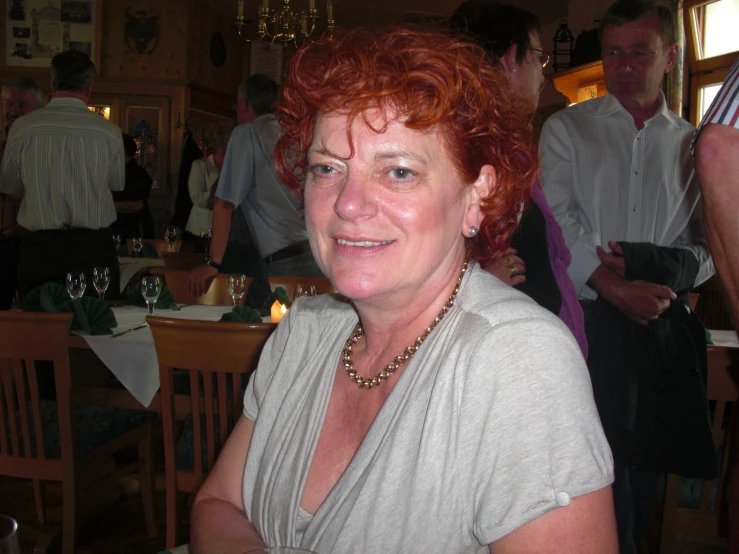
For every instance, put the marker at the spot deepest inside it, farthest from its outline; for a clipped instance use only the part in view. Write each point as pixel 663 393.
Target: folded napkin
pixel 242 314
pixel 148 250
pixel 278 294
pixel 91 315
pixel 49 297
pixel 164 302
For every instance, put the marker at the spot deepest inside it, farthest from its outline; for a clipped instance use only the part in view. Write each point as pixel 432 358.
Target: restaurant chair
pixel 323 285
pixel 713 305
pixel 708 517
pixel 217 295
pixel 56 440
pixel 218 357
pixel 182 260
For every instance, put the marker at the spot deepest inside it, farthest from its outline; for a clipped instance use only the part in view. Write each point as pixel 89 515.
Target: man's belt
pixel 288 252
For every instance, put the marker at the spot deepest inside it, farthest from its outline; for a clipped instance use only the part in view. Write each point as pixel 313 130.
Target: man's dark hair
pixel 129 146
pixel 260 92
pixel 628 11
pixel 23 84
pixel 72 71
pixel 496 27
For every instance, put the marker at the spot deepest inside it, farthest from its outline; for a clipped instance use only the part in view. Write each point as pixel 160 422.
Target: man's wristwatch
pixel 209 262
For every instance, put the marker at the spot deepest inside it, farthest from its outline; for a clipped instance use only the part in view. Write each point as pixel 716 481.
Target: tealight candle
pixel 277 311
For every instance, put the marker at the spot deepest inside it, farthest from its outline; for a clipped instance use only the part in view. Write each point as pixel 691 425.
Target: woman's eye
pixel 400 173
pixel 321 169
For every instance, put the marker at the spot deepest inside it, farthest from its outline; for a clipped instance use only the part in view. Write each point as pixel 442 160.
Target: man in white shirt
pixel 619 168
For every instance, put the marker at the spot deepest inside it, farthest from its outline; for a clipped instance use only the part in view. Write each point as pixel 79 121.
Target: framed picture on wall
pixel 37 30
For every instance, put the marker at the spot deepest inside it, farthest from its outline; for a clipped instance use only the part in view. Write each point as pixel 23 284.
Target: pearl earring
pixel 473 231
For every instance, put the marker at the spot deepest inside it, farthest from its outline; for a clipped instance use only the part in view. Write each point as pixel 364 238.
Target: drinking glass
pixel 171 234
pixel 76 284
pixel 237 287
pixel 117 240
pixel 101 280
pixel 306 290
pixel 9 543
pixel 137 244
pixel 151 288
pixel 205 235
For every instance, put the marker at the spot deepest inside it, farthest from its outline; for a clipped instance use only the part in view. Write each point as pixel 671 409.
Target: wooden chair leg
pixel 39 497
pixel 172 510
pixel 69 515
pixel 146 482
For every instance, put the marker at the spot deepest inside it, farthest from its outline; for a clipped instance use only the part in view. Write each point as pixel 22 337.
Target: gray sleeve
pixel 531 437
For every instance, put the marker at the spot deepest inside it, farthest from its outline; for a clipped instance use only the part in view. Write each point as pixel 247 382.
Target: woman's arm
pixel 587 524
pixel 218 523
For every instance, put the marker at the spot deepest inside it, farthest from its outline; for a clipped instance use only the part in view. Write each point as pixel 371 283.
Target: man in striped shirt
pixel 618 169
pixel 65 160
pixel 717 165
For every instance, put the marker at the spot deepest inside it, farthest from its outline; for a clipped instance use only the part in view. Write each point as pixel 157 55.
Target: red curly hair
pixel 425 78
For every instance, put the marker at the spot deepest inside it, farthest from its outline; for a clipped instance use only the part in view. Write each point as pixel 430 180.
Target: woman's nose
pixel 355 198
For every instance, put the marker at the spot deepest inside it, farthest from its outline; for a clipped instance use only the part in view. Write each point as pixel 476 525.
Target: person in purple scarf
pixel 538 259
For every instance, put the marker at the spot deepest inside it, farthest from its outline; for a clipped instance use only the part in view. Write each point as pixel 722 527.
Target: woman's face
pixel 528 77
pixel 391 219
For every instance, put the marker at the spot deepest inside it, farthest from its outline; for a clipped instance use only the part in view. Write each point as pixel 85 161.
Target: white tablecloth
pixel 727 339
pixel 130 266
pixel 132 358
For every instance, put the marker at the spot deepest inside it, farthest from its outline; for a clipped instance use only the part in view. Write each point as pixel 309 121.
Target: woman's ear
pixel 509 59
pixel 478 191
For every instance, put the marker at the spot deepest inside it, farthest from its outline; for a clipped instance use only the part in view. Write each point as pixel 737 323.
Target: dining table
pixel 131 357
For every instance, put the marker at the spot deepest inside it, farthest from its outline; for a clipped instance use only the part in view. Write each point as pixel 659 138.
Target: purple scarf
pixel 559 256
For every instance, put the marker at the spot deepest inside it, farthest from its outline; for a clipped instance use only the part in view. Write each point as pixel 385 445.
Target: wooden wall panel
pixel 167 63
pixel 204 22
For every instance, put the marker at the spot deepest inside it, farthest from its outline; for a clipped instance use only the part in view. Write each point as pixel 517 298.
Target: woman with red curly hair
pixel 430 408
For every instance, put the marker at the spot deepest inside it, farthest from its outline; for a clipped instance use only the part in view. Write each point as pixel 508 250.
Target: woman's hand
pixel 509 268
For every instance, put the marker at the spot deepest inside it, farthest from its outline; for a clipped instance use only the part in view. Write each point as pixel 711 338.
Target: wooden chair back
pixel 182 260
pixel 710 519
pixel 713 305
pixel 215 355
pixel 217 295
pixel 161 245
pixel 24 339
pixel 322 285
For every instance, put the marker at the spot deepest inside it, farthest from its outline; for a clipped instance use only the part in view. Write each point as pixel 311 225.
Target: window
pixel 716 28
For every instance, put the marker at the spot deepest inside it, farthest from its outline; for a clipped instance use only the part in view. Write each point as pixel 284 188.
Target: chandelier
pixel 286 26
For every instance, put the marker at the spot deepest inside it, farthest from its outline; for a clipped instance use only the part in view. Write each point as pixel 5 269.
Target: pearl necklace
pixel 405 356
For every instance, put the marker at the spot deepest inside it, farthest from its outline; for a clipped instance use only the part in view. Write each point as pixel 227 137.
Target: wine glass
pixel 76 284
pixel 117 240
pixel 306 290
pixel 138 242
pixel 237 287
pixel 171 234
pixel 151 288
pixel 101 280
pixel 205 235
pixel 9 543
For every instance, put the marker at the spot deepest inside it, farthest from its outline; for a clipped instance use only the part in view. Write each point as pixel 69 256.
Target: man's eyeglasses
pixel 637 56
pixel 544 56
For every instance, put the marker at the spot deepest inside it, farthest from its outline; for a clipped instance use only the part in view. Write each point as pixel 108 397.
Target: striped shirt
pixel 606 180
pixel 725 107
pixel 65 160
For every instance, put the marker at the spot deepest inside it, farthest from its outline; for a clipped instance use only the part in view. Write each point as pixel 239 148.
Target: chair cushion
pixel 94 426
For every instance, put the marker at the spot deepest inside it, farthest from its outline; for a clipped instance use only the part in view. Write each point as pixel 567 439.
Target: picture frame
pixel 36 30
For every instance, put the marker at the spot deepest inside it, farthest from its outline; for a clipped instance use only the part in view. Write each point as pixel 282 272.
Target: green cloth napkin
pixel 91 315
pixel 148 250
pixel 709 338
pixel 49 297
pixel 164 302
pixel 278 294
pixel 242 314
